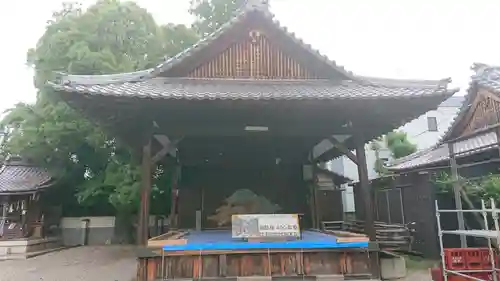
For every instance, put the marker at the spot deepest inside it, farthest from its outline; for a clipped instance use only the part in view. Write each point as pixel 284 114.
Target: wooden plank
pixel 169 267
pixel 352 239
pixel 324 263
pixel 275 264
pixel 141 270
pixel 222 265
pixel 168 242
pixel 289 264
pixel 299 261
pixel 307 264
pixel 360 264
pixel 151 269
pixel 197 267
pixel 210 266
pixel 184 266
pixel 233 265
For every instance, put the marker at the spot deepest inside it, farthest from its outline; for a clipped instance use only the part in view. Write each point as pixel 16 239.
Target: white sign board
pixel 265 225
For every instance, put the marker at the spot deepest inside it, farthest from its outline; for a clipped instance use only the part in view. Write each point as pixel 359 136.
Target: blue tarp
pixel 212 240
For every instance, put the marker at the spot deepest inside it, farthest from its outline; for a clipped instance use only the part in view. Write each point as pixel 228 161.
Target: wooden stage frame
pixel 338 263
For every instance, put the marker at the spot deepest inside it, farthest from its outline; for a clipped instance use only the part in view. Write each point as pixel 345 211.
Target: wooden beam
pixel 146 182
pixel 367 197
pixel 366 192
pixel 342 148
pixel 173 220
pixel 229 129
pixel 168 146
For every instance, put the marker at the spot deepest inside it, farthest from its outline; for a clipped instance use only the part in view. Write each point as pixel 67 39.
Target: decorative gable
pixel 253 57
pixel 484 112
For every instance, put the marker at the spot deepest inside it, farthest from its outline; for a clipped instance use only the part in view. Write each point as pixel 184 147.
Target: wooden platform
pixel 156 263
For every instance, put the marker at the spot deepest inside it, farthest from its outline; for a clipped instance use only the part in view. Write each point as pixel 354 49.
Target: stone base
pixel 28 247
pixel 393 268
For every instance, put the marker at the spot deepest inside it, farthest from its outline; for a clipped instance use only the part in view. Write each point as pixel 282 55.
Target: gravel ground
pixel 107 263
pixel 113 263
pixel 418 275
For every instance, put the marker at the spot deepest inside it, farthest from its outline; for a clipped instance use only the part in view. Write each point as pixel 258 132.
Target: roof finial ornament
pixel 256 4
pixel 486 71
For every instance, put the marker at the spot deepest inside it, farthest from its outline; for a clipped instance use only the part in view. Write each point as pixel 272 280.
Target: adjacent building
pixel 425 131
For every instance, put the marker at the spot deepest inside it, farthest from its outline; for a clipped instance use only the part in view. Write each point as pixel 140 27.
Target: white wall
pixel 417 131
pixel 418 134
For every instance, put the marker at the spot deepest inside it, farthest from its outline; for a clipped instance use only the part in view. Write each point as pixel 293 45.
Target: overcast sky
pixel 413 39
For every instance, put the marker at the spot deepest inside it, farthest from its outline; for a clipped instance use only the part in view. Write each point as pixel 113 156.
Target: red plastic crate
pixel 455 259
pixel 486 261
pixel 468 258
pixel 478 259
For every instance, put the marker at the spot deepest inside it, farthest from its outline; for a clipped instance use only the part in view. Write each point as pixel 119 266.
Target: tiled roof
pixel 19 177
pixel 484 76
pixel 263 9
pixel 440 153
pixel 146 84
pixel 205 89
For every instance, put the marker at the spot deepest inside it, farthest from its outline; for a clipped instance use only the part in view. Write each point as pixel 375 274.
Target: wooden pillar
pixel 364 184
pixel 146 177
pixel 4 206
pixel 173 220
pixel 456 192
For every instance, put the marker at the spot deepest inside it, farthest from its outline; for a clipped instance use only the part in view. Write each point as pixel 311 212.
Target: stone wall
pixel 95 230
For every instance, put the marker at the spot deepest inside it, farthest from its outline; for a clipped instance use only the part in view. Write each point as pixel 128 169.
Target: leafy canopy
pixel 109 37
pixel 211 14
pixel 398 144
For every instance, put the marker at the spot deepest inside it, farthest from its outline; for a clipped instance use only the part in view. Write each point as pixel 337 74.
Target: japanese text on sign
pixel 265 225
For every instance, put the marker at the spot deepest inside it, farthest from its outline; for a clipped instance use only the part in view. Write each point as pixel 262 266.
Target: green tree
pixel 109 37
pixel 399 145
pixel 376 146
pixel 211 14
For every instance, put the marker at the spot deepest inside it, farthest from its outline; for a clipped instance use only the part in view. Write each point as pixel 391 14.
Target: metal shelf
pixel 483 233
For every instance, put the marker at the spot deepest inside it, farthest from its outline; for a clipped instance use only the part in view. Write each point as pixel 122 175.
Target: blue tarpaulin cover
pixel 212 240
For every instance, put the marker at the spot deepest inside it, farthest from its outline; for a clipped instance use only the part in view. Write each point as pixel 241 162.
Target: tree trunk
pixel 124 227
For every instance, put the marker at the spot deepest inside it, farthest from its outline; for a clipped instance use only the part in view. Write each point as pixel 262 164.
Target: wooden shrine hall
pixel 28 223
pixel 21 184
pixel 237 115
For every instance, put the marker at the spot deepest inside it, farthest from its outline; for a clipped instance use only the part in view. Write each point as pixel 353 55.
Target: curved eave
pixel 232 89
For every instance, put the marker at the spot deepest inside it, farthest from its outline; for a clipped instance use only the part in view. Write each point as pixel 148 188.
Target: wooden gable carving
pixel 484 112
pixel 253 57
